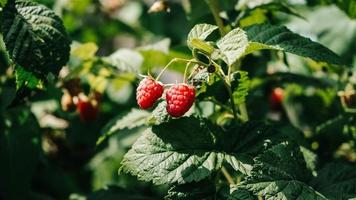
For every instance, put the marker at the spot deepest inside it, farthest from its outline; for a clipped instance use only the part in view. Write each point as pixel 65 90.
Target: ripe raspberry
pixel 275 99
pixel 147 92
pixel 88 109
pixel 180 98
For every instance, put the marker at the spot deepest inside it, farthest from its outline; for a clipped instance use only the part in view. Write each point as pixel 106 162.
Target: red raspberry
pixel 180 98
pixel 148 91
pixel 275 99
pixel 88 109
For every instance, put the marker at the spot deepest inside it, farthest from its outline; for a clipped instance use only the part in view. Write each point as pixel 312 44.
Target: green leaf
pixel 133 119
pixel 201 32
pixel 337 181
pixel 280 173
pixel 233 45
pixel 159 114
pixel 35 37
pixel 25 78
pixel 190 149
pixel 196 190
pixel 240 194
pixel 267 36
pixel 179 151
pixel 243 85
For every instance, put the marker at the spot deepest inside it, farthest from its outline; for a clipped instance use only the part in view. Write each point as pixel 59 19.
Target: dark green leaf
pixel 179 151
pixel 281 173
pixel 28 79
pixel 337 181
pixel 267 36
pixel 204 190
pixel 190 149
pixel 241 194
pixel 35 37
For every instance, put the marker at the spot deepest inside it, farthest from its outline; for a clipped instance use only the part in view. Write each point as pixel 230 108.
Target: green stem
pixel 174 61
pixel 228 87
pixel 185 72
pixel 215 10
pixel 227 175
pixel 243 111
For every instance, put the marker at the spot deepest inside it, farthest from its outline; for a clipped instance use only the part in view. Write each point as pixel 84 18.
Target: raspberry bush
pixel 177 100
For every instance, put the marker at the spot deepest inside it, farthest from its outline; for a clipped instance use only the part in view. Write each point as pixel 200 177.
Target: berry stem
pixel 185 72
pixel 227 175
pixel 174 60
pixel 227 84
pixel 215 10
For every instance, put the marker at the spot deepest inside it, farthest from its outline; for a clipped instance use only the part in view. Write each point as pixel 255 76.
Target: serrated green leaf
pixel 35 37
pixel 280 173
pixel 204 190
pixel 190 149
pixel 337 181
pixel 133 119
pixel 239 163
pixel 237 193
pixel 243 85
pixel 310 158
pixel 201 32
pixel 179 151
pixel 25 78
pixel 267 36
pixel 233 45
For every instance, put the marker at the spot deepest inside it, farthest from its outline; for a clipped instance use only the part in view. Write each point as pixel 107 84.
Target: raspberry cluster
pixel 179 97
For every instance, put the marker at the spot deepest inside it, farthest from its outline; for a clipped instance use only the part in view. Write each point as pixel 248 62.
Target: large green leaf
pixel 267 36
pixel 336 181
pixel 191 149
pixel 35 36
pixel 233 45
pixel 280 173
pixel 180 151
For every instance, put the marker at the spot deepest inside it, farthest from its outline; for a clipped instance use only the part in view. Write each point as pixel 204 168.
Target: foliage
pixel 239 140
